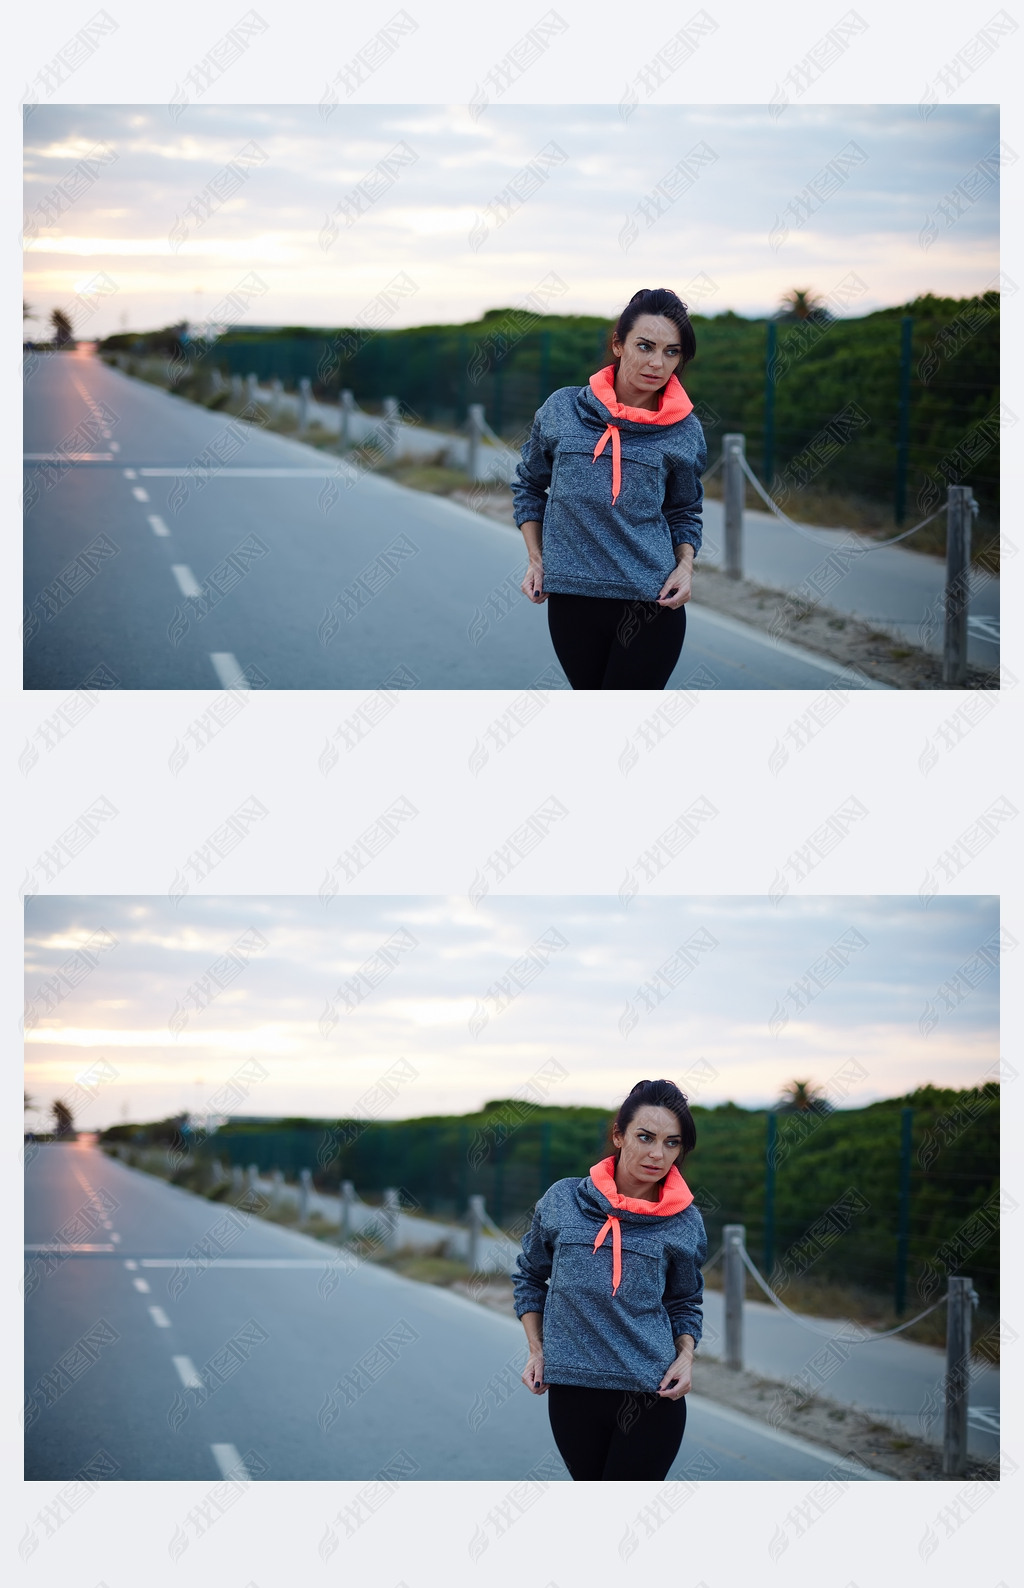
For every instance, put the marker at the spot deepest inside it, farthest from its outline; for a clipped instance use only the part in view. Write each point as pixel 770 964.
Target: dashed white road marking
pixel 68 457
pixel 160 1317
pixel 233 1262
pixel 229 674
pixel 107 1225
pixel 130 474
pixel 158 526
pixel 59 1246
pixel 230 1463
pixel 186 1372
pixel 141 1285
pixel 115 446
pixel 130 1262
pixel 140 493
pixel 115 1237
pixel 186 579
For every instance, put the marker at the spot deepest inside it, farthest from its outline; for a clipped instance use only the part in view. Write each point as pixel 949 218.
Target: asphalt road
pixel 169 547
pixel 189 1341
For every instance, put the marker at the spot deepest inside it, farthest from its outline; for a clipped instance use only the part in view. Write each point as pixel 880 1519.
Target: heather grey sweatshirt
pixel 610 523
pixel 624 1340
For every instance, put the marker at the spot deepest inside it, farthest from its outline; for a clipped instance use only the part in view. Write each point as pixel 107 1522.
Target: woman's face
pixel 650 1144
pixel 649 354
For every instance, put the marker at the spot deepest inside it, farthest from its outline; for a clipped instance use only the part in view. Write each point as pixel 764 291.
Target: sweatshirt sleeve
pixel 533 1266
pixel 684 1288
pixel 684 497
pixel 532 476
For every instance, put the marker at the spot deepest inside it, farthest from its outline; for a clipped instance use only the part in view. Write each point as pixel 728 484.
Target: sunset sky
pixel 173 211
pixel 730 996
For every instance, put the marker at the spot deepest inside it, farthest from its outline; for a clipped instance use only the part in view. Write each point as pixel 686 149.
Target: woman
pixel 611 545
pixel 621 1316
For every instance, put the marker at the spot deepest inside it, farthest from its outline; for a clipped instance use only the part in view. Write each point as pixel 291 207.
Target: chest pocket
pixel 576 474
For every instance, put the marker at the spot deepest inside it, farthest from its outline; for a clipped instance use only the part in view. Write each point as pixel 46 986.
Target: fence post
pixel 348 1197
pixel 392 1208
pixel 391 425
pixel 216 1172
pixel 304 396
pixel 275 396
pixel 476 1221
pixel 252 1176
pixel 236 1178
pixel 305 1184
pixel 346 410
pixel 476 430
pixel 236 388
pixel 733 485
pixel 958 582
pixel 733 1241
pixel 276 1189
pixel 251 392
pixel 958 1375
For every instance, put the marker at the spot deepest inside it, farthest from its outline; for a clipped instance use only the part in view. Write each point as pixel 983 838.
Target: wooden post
pixel 236 388
pixel 348 1197
pixel 476 422
pixel 305 1186
pixel 304 399
pixel 392 1208
pixel 733 487
pixel 252 1176
pixel 389 437
pixel 275 397
pixel 346 407
pixel 476 1219
pixel 958 579
pixel 236 1178
pixel 958 1372
pixel 733 1240
pixel 251 388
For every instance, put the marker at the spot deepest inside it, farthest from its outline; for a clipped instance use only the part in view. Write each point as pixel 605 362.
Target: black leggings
pixel 603 1433
pixel 613 644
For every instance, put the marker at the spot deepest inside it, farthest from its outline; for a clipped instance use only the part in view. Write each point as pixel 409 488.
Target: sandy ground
pixel 880 1446
pixel 818 629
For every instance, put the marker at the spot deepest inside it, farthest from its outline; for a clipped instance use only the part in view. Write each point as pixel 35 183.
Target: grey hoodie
pixel 592 545
pixel 592 1337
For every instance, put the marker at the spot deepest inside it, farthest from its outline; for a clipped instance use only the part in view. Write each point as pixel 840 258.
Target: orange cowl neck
pixel 673 1196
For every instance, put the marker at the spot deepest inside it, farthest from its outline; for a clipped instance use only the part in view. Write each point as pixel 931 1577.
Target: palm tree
pixel 63 1124
pixel 800 303
pixel 802 1097
pixel 63 332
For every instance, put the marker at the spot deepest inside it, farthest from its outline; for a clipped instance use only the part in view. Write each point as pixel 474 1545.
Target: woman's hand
pixel 533 583
pixel 675 592
pixel 676 1381
pixel 533 1373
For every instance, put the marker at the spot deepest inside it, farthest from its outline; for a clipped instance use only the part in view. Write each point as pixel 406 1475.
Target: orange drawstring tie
pixel 613 1222
pixel 613 431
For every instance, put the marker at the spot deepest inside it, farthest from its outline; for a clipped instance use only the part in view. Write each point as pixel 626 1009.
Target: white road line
pixel 328 472
pixel 228 672
pixel 140 493
pixel 160 1317
pixel 158 527
pixel 236 1262
pixel 115 1237
pixel 107 1225
pixel 141 1285
pixel 59 1246
pixel 130 474
pixel 130 1262
pixel 229 1463
pixel 186 1372
pixel 115 446
pixel 68 457
pixel 186 579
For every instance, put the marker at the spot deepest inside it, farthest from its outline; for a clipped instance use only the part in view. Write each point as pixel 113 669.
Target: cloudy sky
pixel 136 1008
pixel 138 218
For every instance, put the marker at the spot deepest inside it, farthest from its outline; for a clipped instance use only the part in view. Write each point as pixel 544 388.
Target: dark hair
pixel 659 1094
pixel 663 301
